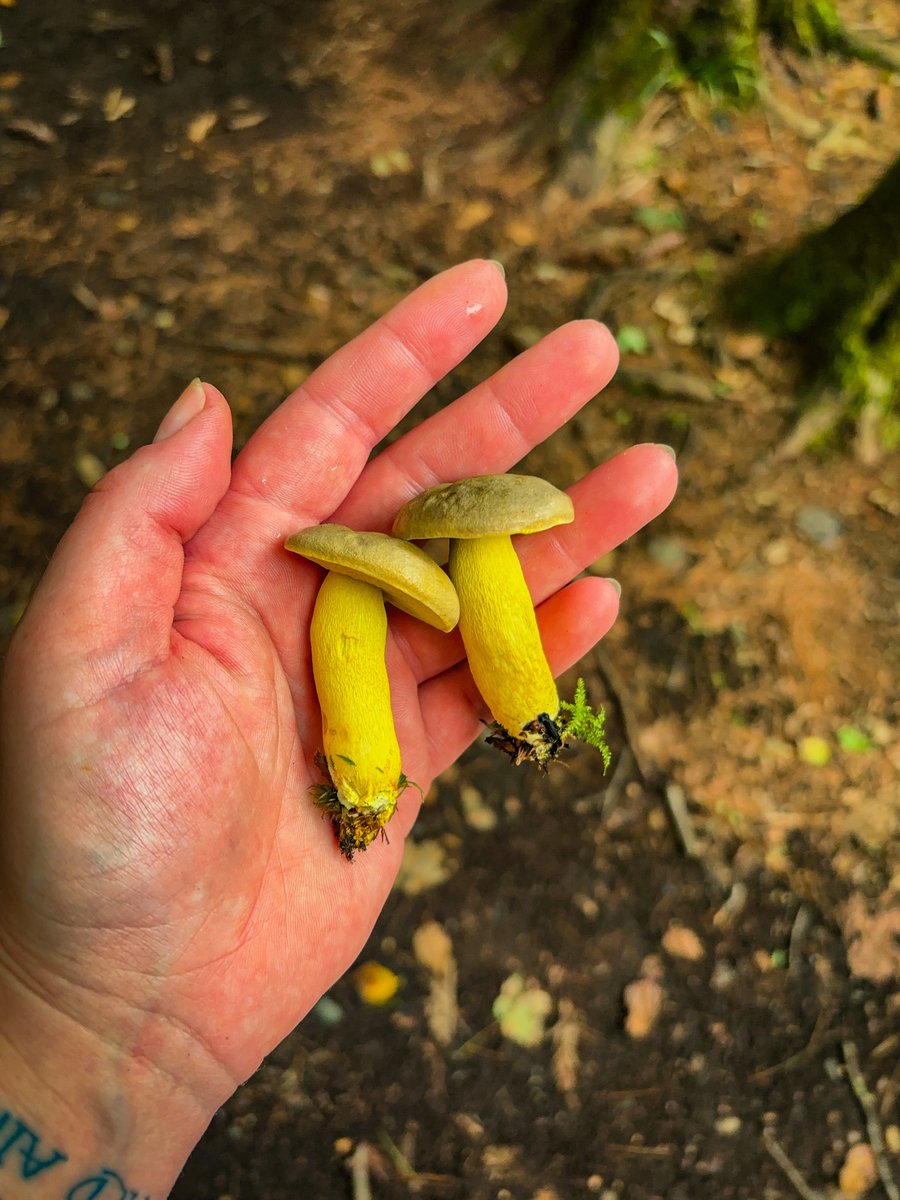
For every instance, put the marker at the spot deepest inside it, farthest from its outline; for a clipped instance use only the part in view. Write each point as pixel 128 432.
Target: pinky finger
pixel 571 622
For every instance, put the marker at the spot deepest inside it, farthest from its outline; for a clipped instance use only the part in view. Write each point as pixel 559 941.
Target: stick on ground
pixel 873 1124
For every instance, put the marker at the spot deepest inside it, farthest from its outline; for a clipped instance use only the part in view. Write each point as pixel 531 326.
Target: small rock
pixel 80 392
pixel 681 942
pixel 328 1011
pixel 669 553
pixel 110 198
pixel 723 976
pixel 164 319
pixel 818 525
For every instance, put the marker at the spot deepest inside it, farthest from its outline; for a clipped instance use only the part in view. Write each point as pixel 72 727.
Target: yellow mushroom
pixel 361 755
pixel 497 619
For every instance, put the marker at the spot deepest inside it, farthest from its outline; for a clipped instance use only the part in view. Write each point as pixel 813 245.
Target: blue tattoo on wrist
pixel 21 1151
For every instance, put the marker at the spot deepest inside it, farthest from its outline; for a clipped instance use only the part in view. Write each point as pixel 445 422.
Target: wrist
pixel 84 1115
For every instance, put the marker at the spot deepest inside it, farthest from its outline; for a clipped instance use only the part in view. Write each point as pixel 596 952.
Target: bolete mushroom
pixel 497 618
pixel 361 758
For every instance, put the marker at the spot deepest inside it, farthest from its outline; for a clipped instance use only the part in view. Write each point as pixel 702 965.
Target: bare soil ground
pixel 235 190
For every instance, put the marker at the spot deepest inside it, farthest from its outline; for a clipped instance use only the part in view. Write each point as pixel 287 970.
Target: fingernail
pixel 615 583
pixel 191 402
pixel 668 449
pixel 499 265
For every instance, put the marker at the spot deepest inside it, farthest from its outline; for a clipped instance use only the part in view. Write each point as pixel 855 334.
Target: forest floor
pixel 699 953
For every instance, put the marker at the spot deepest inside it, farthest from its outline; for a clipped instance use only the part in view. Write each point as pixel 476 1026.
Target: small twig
pixel 652 1151
pixel 246 349
pixel 873 1124
pixel 359 1173
pixel 676 804
pixel 404 1167
pixel 819 1035
pixel 799 930
pixel 681 385
pixel 733 905
pixel 773 1146
pixel 623 773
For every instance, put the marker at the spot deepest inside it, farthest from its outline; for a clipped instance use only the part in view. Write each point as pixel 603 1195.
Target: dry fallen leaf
pixel 476 212
pixel 681 942
pixel 873 939
pixel 521 233
pixel 246 120
pixel 117 105
pixel 643 1004
pixel 477 814
pixel 200 127
pixel 499 1162
pixel 566 1035
pixel 375 984
pixel 424 865
pixel 522 1010
pixel 859 1171
pixel 434 950
pixel 390 162
pixel 36 131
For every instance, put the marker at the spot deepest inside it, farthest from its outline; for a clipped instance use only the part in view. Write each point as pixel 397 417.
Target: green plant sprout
pixel 577 719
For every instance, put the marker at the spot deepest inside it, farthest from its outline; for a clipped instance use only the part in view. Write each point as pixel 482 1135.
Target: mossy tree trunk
pixel 604 59
pixel 837 291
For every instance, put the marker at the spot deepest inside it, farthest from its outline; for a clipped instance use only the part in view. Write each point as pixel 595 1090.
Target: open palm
pixel 161 856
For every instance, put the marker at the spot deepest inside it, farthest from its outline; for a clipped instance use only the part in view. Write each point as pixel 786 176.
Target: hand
pixel 167 888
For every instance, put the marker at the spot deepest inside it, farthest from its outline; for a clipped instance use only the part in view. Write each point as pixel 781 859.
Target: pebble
pixel 821 527
pixel 109 198
pixel 80 392
pixel 328 1011
pixel 89 469
pixel 728 1126
pixel 777 552
pixel 669 553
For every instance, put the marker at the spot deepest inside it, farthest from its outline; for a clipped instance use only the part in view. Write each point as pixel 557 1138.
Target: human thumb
pixel 111 586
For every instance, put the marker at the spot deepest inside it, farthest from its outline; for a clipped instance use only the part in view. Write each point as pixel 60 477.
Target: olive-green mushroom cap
pixel 409 578
pixel 484 506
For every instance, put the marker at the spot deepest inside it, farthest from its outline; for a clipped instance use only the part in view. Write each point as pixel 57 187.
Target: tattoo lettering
pixel 106 1184
pixel 16 1139
pixel 21 1150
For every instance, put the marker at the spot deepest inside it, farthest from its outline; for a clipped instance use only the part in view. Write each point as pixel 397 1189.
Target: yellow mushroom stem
pixel 500 632
pixel 347 637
